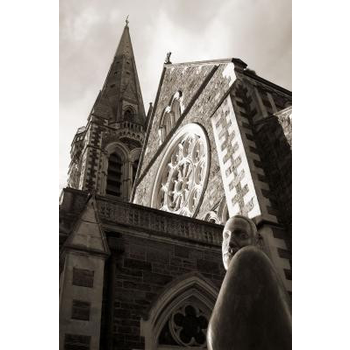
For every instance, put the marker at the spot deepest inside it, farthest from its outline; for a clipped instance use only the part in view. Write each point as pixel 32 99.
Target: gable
pixel 87 234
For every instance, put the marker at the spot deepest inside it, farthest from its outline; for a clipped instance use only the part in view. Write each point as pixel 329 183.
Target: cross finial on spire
pixel 127 20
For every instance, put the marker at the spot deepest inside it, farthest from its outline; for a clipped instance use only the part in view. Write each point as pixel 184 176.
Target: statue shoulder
pixel 250 255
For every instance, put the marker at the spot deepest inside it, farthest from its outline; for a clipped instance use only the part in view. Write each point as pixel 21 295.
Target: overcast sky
pixel 257 31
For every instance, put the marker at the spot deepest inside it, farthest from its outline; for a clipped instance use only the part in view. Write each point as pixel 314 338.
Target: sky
pixel 257 31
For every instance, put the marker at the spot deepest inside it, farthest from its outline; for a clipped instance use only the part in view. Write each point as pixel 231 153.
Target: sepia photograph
pixel 183 213
pixel 175 175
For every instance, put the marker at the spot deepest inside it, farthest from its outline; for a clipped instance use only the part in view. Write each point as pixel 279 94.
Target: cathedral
pixel 142 216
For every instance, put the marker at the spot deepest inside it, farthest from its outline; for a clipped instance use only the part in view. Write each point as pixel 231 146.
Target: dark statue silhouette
pixel 252 310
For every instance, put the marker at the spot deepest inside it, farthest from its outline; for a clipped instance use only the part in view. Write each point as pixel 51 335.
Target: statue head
pixel 239 232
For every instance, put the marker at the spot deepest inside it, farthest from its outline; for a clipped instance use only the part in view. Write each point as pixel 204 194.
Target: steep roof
pixel 88 234
pixel 122 86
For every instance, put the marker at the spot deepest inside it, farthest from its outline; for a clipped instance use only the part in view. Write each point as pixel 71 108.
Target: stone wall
pixel 140 270
pixel 203 87
pixel 274 139
pixel 150 249
pixel 285 119
pixel 184 78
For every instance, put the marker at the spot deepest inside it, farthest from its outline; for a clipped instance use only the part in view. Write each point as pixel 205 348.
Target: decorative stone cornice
pixel 158 222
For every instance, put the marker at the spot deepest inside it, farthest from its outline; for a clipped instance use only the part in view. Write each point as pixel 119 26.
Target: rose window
pixel 183 172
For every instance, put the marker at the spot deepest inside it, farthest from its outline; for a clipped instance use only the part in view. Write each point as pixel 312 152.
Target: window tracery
pixel 187 327
pixel 181 312
pixel 183 173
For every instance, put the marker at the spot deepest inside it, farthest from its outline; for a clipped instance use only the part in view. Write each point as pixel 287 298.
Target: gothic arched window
pixel 178 319
pixel 128 114
pixel 170 116
pixel 114 177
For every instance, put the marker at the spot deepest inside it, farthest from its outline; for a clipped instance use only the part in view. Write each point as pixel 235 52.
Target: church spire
pixel 105 154
pixel 122 87
pixel 125 46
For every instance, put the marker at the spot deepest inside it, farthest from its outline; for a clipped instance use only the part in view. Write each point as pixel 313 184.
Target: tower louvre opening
pixel 114 177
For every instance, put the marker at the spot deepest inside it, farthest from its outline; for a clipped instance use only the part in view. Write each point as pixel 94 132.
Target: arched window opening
pixel 178 319
pixel 176 109
pixel 170 116
pixel 114 177
pixel 222 213
pixel 128 115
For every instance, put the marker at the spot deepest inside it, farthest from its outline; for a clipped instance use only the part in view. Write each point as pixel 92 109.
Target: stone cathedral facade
pixel 142 215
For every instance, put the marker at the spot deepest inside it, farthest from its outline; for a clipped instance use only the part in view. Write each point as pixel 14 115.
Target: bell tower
pixel 105 153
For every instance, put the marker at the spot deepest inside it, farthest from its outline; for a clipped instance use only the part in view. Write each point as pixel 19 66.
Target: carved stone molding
pixel 162 223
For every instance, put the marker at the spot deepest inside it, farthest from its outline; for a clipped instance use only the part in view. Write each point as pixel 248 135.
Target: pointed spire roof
pixel 125 46
pixel 122 86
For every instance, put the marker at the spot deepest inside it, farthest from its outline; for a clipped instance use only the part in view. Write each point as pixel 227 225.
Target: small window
pixel 75 342
pixel 128 115
pixel 81 310
pixel 112 85
pixel 170 116
pixel 83 278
